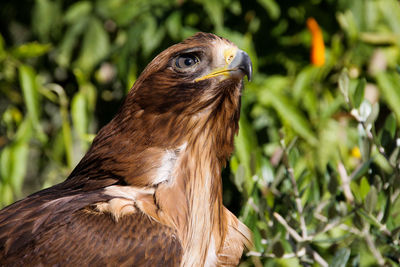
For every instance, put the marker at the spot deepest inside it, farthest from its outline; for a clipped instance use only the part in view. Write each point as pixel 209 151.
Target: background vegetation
pixel 316 170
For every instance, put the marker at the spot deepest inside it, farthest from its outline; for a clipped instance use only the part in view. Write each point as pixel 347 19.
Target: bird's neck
pixel 195 196
pixel 192 202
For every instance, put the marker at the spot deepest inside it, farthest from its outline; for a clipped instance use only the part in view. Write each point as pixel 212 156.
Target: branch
pixel 289 229
pixel 299 206
pixel 345 183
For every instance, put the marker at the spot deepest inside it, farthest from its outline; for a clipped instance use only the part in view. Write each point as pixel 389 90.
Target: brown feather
pixel 148 192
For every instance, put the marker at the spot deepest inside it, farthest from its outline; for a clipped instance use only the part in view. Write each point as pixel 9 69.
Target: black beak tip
pixel 241 65
pixel 246 66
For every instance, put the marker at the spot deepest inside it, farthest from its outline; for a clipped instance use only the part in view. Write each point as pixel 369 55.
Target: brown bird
pixel 149 191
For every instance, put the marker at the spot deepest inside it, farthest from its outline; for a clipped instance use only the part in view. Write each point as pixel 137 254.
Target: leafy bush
pixel 317 156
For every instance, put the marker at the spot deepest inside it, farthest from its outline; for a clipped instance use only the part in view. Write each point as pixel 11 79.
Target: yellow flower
pixel 355 152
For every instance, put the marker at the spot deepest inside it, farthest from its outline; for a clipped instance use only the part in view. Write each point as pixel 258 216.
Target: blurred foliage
pixel 317 155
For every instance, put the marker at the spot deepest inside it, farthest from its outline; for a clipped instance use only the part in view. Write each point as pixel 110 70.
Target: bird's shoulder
pixel 90 228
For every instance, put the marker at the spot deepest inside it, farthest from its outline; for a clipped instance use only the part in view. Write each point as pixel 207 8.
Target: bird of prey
pixel 149 191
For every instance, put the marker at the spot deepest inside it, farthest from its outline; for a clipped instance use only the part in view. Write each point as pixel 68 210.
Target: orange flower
pixel 317 45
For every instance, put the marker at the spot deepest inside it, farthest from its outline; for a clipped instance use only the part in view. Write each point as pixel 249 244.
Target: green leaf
pixel 46 16
pixel 245 147
pixel 124 13
pixel 360 170
pixel 77 10
pixel 348 24
pixel 240 177
pixel 27 79
pixel 389 84
pixel 19 161
pixel 364 187
pixel 3 52
pixel 277 249
pixel 374 114
pixel 358 95
pixel 356 191
pixel 369 218
pixel 30 50
pixel 5 164
pixel 79 114
pixel 174 25
pixel 152 36
pixel 6 194
pixel 68 43
pixel 344 84
pixel 390 125
pixel 386 140
pixel 371 199
pixel 271 7
pixel 289 113
pixel 341 258
pixel 391 10
pixel 303 81
pixel 95 47
pixel 67 139
pixel 215 11
pixel 24 132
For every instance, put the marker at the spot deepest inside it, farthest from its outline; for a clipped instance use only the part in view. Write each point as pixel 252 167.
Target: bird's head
pixel 190 89
pixel 191 75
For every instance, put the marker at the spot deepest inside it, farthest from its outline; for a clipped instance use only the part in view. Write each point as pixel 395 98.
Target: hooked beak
pixel 241 65
pixel 238 64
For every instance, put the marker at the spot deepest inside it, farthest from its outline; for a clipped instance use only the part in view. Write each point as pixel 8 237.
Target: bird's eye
pixel 186 61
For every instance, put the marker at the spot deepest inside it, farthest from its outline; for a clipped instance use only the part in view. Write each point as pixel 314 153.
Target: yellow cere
pixel 229 55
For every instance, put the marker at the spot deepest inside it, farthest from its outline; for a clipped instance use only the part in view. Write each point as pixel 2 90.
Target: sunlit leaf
pixel 355 189
pixel 344 84
pixel 27 79
pixel 364 187
pixel 6 164
pixel 359 93
pixel 29 50
pixel 19 161
pixel 95 46
pixel 6 194
pixel 79 113
pixel 391 11
pixel 77 10
pixel 240 177
pixel 389 84
pixel 371 199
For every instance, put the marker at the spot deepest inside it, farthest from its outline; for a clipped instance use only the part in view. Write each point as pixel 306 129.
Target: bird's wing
pixel 72 230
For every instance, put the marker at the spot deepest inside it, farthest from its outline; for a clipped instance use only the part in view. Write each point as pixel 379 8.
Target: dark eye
pixel 186 61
